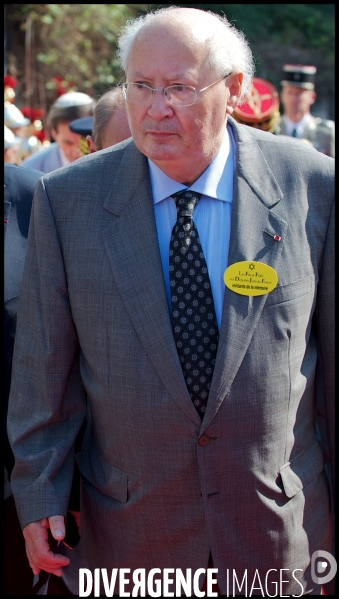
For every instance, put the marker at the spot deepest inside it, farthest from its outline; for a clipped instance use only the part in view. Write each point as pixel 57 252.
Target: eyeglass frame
pixel 163 89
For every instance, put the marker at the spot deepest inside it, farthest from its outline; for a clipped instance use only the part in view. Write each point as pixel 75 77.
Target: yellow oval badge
pixel 250 278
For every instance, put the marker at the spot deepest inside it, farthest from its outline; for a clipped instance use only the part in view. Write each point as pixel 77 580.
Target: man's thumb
pixel 57 527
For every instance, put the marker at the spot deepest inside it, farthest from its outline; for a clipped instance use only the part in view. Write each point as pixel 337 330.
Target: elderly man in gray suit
pixel 199 348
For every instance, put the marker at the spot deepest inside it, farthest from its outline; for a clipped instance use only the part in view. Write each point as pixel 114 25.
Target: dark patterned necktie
pixel 195 326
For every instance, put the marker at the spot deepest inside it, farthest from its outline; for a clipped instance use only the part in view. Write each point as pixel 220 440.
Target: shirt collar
pixel 216 181
pixel 299 126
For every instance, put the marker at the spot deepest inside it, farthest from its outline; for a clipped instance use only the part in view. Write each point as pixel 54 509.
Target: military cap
pixel 82 126
pixel 260 108
pixel 298 75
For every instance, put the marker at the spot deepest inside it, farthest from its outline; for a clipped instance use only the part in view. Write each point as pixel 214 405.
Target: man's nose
pixel 159 106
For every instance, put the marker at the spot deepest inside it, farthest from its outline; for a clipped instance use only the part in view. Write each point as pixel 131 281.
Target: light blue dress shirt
pixel 212 216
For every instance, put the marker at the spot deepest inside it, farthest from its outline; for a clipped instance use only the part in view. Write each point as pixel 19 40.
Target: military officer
pixel 297 96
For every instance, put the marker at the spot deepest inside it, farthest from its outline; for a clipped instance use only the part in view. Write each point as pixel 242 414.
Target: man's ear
pixel 90 144
pixel 234 83
pixel 313 97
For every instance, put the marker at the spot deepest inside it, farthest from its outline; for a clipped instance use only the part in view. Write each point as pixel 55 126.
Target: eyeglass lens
pixel 175 94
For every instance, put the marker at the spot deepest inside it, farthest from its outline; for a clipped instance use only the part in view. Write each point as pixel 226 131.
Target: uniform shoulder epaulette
pixel 325 122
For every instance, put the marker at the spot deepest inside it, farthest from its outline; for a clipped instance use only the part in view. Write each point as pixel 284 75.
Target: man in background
pixel 110 125
pixel 297 96
pixel 18 195
pixel 65 149
pixel 107 127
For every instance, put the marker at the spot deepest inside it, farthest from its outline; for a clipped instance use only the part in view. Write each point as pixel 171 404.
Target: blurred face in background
pixel 67 140
pixel 297 101
pixel 11 155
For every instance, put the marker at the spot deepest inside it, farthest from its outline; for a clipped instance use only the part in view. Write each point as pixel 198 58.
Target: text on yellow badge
pixel 250 278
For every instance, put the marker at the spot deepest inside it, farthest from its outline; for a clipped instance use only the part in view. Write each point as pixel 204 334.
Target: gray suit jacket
pixel 94 334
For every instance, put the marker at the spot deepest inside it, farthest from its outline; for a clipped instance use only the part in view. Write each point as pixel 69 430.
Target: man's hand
pixel 39 553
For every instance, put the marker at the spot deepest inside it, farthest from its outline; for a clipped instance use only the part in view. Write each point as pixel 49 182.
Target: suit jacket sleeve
pixel 45 411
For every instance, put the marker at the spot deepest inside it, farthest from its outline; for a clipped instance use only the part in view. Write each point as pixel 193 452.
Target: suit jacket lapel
pixel 254 224
pixel 131 242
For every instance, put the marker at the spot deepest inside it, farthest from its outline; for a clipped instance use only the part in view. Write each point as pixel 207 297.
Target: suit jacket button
pixel 204 440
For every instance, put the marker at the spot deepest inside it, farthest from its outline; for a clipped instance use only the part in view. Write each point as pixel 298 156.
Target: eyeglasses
pixel 177 95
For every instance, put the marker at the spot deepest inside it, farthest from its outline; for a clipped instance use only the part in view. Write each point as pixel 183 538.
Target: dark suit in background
pixel 19 187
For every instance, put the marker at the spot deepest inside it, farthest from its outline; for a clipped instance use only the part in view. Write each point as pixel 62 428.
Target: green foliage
pixel 78 41
pixel 286 33
pixel 306 25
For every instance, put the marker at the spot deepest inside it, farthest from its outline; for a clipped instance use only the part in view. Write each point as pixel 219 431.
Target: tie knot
pixel 185 202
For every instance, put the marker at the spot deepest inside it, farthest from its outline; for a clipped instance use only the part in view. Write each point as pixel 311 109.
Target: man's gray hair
pixel 228 53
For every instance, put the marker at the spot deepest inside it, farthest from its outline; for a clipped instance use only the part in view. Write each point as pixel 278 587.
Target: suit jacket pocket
pixel 302 469
pixel 291 291
pixel 102 476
